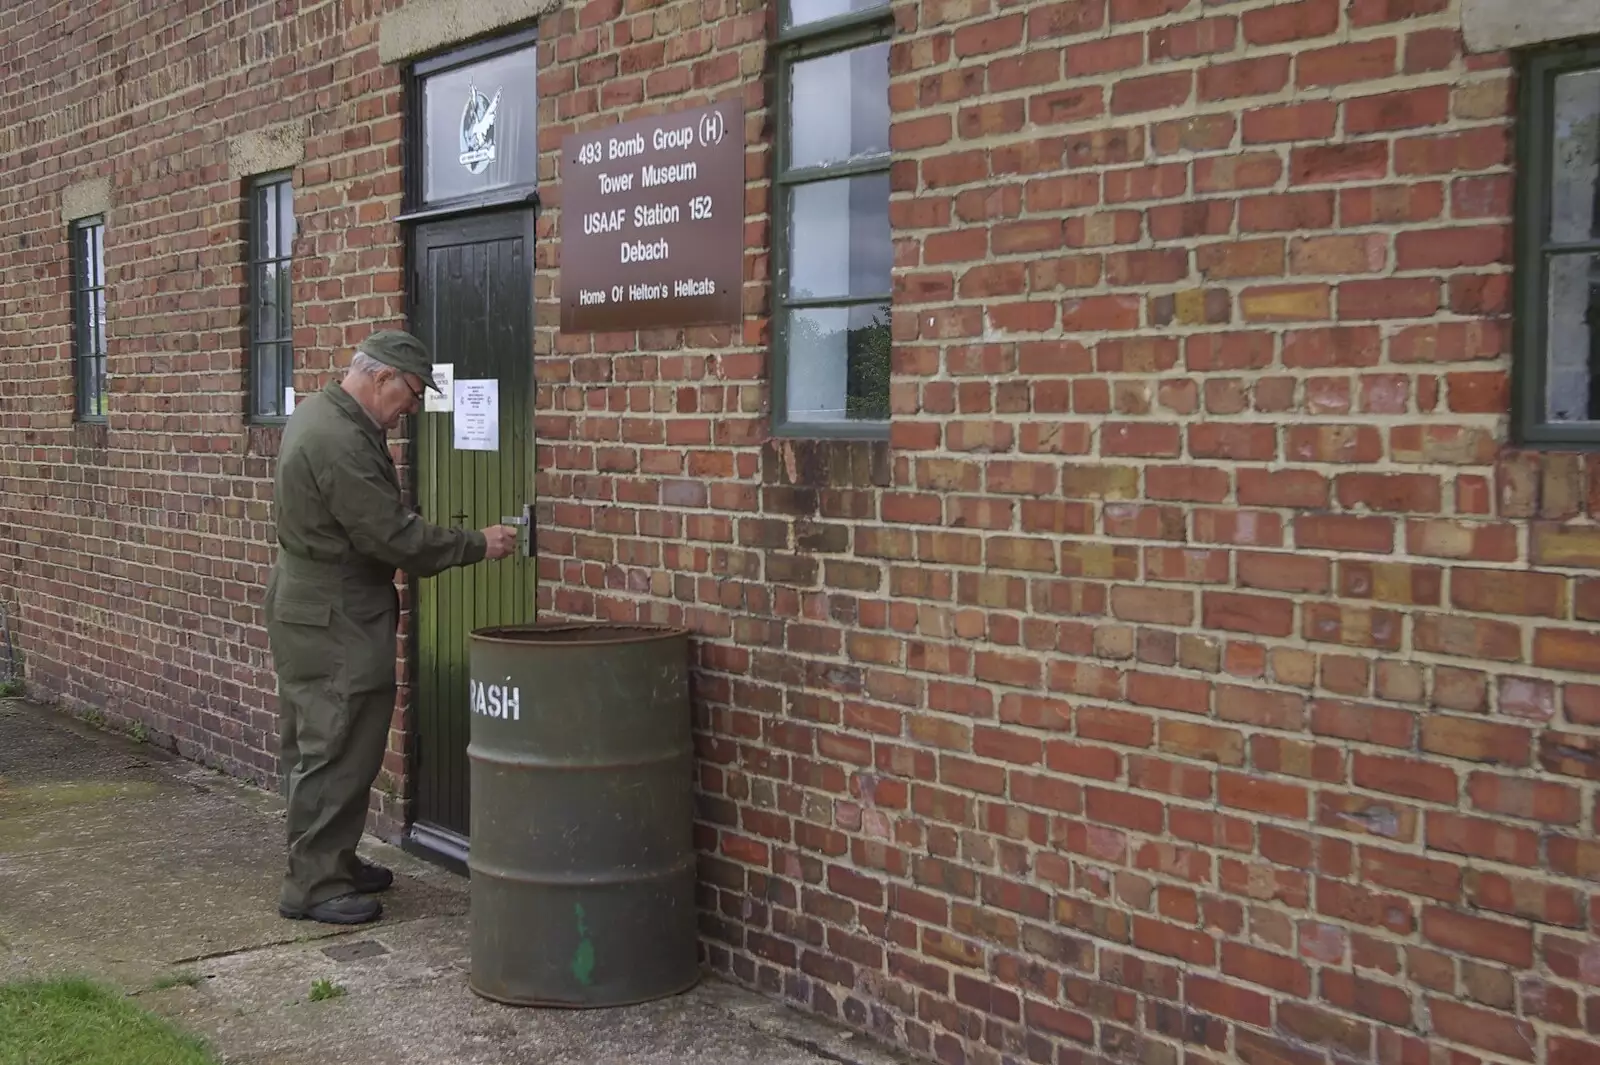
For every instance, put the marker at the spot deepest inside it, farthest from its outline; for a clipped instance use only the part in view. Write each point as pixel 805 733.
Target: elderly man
pixel 332 612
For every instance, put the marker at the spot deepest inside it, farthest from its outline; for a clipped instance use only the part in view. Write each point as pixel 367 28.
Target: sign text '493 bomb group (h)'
pixel 653 222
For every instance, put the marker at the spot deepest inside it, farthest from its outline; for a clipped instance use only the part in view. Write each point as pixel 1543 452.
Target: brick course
pixel 1196 674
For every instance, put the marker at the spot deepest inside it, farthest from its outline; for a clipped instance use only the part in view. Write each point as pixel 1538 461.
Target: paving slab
pixel 127 864
pixel 258 1006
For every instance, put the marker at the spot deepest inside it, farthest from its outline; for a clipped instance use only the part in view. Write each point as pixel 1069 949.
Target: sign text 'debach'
pixel 652 222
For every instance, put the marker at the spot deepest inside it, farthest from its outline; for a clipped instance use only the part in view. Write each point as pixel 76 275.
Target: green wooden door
pixel 474 309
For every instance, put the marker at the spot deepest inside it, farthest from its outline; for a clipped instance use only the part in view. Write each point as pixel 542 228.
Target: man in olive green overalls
pixel 332 612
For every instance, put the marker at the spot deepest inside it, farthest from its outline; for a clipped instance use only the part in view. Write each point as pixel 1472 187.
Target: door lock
pixel 524 522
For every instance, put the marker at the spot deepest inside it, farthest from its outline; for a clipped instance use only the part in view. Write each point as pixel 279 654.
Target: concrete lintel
pixel 84 199
pixel 265 150
pixel 423 26
pixel 1496 25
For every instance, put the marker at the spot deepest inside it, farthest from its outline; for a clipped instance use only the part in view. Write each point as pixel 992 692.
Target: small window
pixel 1558 249
pixel 832 240
pixel 480 123
pixel 88 239
pixel 271 366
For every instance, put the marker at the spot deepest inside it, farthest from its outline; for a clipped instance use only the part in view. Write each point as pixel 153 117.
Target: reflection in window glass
pixel 98 325
pixel 285 228
pixel 267 302
pixel 1574 338
pixel 839 364
pixel 839 107
pixel 1575 157
pixel 480 127
pixel 801 12
pixel 840 235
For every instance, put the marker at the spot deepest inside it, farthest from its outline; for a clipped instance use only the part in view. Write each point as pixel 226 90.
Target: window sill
pixel 863 431
pixel 838 463
pixel 452 208
pixel 93 434
pixel 264 438
pixel 1555 437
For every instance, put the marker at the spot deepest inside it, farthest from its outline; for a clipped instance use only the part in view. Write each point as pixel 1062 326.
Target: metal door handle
pixel 525 520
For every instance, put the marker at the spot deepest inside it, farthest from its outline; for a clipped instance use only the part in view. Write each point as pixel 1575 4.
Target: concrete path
pixel 121 862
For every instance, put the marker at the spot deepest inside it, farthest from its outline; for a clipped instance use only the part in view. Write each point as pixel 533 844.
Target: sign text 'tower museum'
pixel 652 222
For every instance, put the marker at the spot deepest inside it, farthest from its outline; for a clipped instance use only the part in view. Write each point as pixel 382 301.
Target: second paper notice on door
pixel 477 415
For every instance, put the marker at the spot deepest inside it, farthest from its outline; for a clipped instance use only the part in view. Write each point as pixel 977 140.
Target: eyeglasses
pixel 416 393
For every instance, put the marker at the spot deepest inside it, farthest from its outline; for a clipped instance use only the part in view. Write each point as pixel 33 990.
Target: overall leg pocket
pixel 312 663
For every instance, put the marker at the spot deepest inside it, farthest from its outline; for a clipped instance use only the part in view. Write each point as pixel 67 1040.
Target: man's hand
pixel 502 541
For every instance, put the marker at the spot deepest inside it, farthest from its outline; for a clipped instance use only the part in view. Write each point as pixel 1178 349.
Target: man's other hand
pixel 502 541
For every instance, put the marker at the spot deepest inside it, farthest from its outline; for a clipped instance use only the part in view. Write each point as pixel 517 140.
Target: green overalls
pixel 332 613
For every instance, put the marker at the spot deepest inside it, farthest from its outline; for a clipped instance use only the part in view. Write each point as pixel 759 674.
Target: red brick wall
pixel 1197 675
pixel 133 555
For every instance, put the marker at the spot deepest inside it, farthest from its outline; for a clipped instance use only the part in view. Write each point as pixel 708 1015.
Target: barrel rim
pixel 517 635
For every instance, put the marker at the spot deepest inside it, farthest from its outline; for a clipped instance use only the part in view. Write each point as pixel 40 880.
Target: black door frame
pixel 434 846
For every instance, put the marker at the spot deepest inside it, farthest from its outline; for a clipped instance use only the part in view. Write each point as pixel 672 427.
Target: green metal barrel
pixel 582 852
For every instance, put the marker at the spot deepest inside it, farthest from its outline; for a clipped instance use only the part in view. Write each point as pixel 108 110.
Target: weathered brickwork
pixel 134 551
pixel 1196 675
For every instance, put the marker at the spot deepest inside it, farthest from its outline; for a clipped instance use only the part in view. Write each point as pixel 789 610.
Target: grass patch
pixel 10 689
pixel 68 1022
pixel 186 978
pixel 322 990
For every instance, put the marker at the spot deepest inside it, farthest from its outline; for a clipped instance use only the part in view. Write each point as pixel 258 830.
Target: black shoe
pixel 371 879
pixel 345 909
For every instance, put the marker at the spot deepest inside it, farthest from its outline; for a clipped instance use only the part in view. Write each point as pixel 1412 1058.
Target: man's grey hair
pixel 365 364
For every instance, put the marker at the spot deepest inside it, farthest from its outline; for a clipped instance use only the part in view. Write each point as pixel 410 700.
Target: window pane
pixel 839 238
pixel 480 127
pixel 839 107
pixel 1575 162
pixel 800 12
pixel 99 333
pixel 267 301
pixel 285 372
pixel 97 236
pixel 282 330
pixel 285 231
pixel 267 200
pixel 269 390
pixel 839 364
pixel 1573 342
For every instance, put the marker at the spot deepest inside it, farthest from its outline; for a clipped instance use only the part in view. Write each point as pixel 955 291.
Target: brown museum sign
pixel 652 222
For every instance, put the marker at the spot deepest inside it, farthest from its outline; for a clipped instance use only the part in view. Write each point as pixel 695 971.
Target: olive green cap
pixel 397 348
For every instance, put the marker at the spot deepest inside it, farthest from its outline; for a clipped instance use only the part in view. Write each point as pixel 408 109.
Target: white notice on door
pixel 444 375
pixel 477 415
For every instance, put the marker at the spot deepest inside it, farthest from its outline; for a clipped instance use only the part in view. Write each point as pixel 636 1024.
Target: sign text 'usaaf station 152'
pixel 652 222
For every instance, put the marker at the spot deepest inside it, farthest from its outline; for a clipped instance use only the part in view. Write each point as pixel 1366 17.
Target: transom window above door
pixel 479 122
